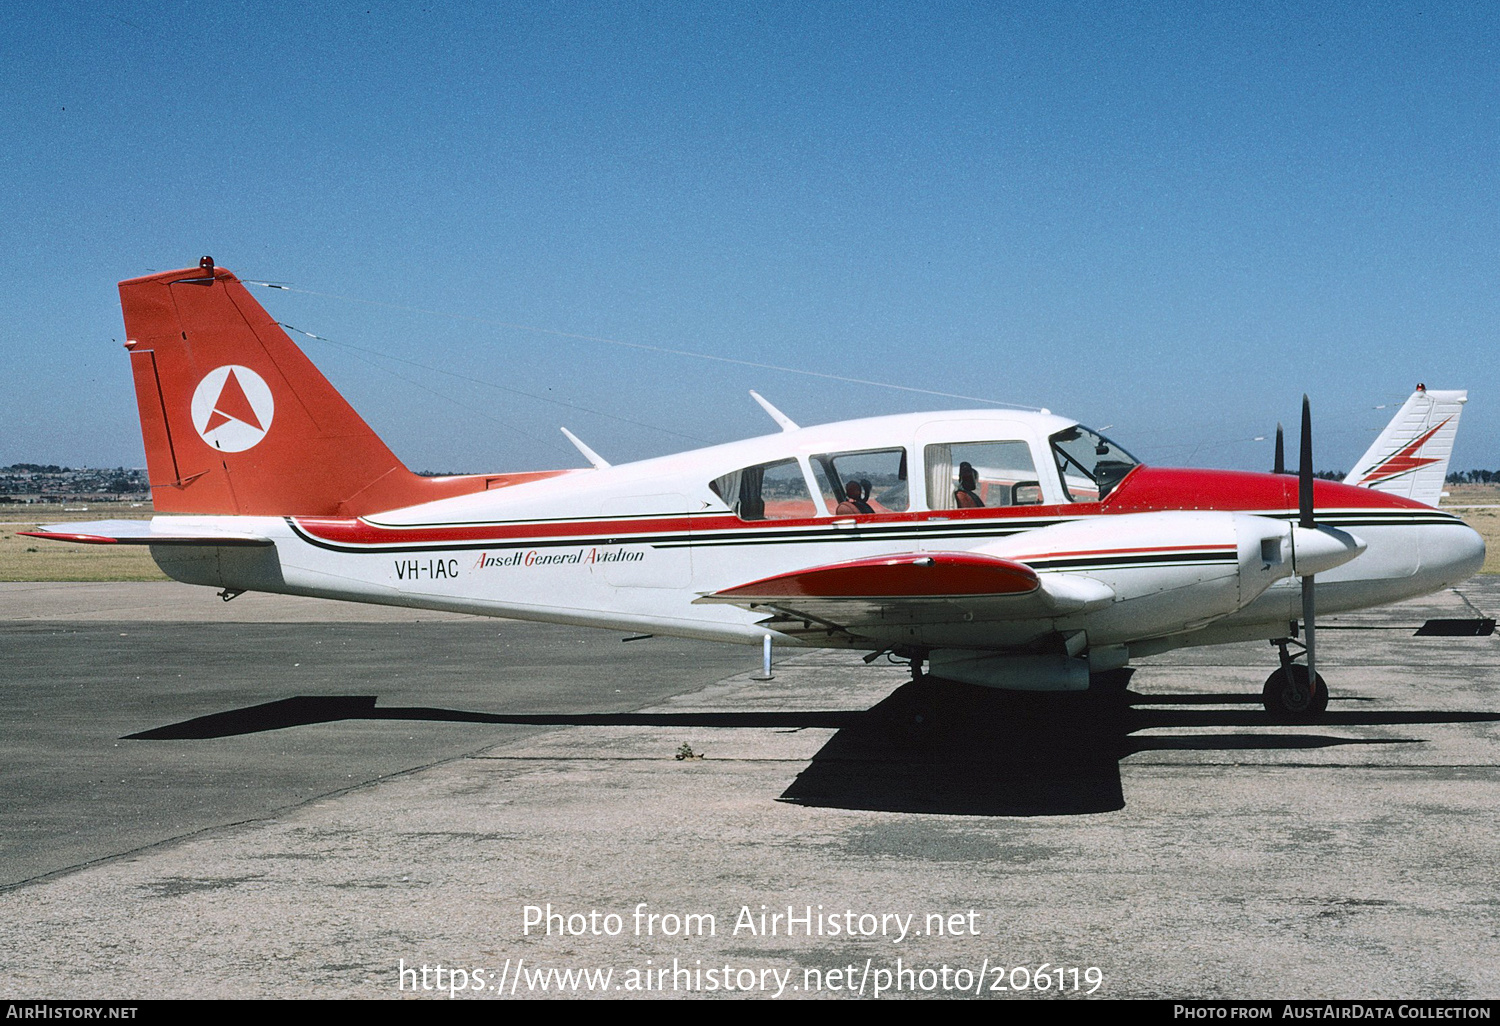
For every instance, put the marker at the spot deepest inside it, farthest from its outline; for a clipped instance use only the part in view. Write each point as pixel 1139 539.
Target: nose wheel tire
pixel 1289 699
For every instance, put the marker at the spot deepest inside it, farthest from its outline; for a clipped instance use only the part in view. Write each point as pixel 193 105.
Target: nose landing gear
pixel 1289 696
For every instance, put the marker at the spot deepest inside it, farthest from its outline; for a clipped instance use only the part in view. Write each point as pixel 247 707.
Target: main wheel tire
pixel 1290 700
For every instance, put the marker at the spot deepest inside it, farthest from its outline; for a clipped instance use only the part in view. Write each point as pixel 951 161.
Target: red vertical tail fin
pixel 235 418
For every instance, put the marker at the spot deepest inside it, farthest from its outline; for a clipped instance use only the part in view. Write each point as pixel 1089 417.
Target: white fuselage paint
pixel 629 547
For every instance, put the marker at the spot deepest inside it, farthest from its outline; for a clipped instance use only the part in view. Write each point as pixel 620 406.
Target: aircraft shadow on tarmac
pixel 952 749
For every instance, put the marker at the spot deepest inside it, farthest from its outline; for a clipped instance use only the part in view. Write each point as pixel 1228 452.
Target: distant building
pixel 37 482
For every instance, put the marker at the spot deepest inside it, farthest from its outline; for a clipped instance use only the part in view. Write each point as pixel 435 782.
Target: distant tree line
pixel 1455 477
pixel 1474 477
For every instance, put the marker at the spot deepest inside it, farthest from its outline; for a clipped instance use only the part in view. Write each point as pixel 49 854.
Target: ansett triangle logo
pixel 232 408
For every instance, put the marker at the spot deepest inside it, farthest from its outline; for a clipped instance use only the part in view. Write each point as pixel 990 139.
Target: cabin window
pixel 872 481
pixel 1089 464
pixel 964 475
pixel 768 491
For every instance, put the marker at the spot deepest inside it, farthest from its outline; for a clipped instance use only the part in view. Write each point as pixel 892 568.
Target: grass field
pixel 1485 521
pixel 31 559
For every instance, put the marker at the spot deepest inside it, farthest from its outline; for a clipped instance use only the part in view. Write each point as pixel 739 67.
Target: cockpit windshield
pixel 1090 464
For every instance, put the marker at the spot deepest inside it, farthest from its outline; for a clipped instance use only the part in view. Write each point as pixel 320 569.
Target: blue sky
pixel 1169 219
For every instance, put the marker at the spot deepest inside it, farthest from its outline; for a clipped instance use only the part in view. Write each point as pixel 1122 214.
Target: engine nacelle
pixel 1011 672
pixel 1174 571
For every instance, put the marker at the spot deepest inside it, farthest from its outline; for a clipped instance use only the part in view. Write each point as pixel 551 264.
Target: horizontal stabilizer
pixel 140 532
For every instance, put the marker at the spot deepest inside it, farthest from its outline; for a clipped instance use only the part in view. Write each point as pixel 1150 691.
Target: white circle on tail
pixel 232 408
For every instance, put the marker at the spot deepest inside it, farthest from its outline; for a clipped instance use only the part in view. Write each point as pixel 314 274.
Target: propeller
pixel 1280 467
pixel 1315 549
pixel 1306 520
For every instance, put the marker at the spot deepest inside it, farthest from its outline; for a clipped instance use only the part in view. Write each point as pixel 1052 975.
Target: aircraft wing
pixel 870 597
pixel 140 532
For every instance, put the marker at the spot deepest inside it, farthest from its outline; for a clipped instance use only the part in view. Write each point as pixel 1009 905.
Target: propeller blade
pixel 1306 519
pixel 1305 472
pixel 1280 467
pixel 1308 616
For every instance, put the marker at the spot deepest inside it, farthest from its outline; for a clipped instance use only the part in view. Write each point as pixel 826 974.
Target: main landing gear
pixel 1289 697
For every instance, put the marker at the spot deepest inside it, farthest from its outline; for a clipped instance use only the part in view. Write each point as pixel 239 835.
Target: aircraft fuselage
pixel 630 547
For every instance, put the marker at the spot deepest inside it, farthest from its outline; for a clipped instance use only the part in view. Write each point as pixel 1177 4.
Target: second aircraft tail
pixel 1410 458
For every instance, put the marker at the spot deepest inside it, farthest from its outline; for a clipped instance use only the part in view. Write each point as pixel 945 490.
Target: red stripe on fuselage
pixel 1146 490
pixel 361 532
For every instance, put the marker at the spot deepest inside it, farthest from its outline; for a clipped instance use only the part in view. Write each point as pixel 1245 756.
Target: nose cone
pixel 1452 553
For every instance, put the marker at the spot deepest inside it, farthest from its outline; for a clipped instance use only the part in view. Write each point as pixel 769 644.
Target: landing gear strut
pixel 1288 695
pixel 922 716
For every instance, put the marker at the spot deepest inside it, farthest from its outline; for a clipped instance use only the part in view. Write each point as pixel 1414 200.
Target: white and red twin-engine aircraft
pixel 1006 549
